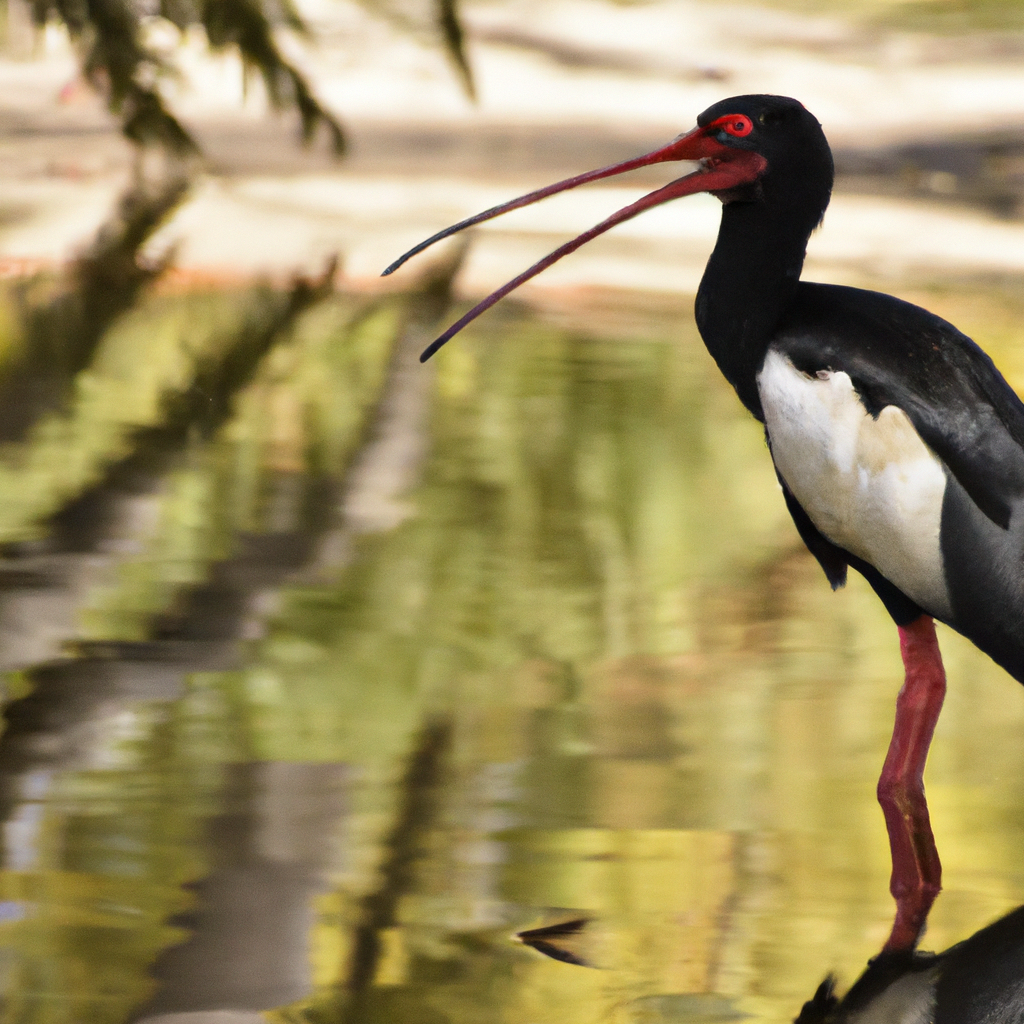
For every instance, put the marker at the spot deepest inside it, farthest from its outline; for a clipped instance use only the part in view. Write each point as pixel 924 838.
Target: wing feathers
pixel 899 354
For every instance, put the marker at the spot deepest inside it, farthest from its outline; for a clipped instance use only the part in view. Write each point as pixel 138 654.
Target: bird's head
pixel 796 162
pixel 749 150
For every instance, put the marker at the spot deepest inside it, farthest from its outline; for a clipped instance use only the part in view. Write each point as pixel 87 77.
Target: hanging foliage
pixel 120 64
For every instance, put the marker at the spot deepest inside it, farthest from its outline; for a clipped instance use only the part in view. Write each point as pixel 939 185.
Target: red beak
pixel 723 168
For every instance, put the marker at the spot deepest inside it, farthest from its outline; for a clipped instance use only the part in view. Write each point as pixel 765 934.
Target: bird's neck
pixel 749 282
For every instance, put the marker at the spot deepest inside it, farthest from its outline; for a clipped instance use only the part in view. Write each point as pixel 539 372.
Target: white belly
pixel 870 485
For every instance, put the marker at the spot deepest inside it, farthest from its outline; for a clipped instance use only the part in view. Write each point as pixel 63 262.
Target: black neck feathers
pixel 749 283
pixel 754 271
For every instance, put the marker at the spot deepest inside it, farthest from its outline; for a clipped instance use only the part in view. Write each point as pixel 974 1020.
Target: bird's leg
pixel 916 871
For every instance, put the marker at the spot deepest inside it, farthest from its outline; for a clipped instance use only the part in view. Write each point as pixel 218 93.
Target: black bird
pixel 977 981
pixel 898 444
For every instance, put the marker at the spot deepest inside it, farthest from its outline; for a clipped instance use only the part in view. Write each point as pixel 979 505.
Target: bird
pixel 898 445
pixel 977 981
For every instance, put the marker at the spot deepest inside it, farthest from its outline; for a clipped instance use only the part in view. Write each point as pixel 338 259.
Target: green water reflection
pixel 585 668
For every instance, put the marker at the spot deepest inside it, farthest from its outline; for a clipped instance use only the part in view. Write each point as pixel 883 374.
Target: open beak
pixel 722 168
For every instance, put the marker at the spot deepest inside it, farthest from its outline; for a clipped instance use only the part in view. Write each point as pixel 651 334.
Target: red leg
pixel 916 871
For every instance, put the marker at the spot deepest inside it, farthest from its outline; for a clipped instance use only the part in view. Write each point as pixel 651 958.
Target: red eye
pixel 738 125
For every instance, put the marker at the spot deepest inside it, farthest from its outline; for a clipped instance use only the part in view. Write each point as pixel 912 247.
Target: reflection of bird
pixel 978 981
pixel 899 447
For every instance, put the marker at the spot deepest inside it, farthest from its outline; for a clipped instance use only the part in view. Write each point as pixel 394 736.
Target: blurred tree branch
pixel 454 40
pixel 63 322
pixel 437 20
pixel 118 61
pixel 62 330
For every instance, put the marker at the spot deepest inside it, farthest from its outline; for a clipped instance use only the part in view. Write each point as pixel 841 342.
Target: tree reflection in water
pixel 654 718
pixel 978 981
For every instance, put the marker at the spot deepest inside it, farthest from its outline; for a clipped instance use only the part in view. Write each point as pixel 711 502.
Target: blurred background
pixel 326 672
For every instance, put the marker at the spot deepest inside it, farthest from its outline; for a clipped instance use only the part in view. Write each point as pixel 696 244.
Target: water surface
pixel 393 662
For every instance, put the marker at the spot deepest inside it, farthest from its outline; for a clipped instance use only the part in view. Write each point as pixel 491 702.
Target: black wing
pixel 899 354
pixel 980 978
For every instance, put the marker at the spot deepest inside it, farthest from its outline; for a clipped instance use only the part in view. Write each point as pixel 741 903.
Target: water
pixel 311 710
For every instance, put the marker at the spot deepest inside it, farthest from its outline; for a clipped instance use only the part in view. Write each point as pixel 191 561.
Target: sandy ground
pixel 565 85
